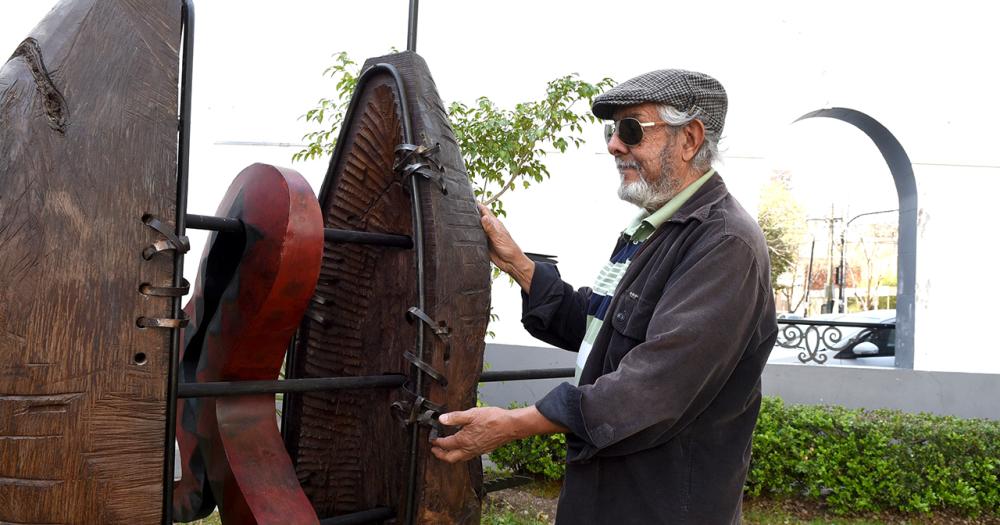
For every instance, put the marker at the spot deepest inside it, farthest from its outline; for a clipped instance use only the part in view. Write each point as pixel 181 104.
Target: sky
pixel 921 68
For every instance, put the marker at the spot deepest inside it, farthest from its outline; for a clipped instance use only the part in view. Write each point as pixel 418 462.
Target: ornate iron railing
pixel 815 338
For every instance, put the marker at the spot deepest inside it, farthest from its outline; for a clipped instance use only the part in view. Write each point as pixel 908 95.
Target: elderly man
pixel 672 338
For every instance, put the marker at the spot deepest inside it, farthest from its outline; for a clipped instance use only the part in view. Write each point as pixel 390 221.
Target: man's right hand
pixel 504 252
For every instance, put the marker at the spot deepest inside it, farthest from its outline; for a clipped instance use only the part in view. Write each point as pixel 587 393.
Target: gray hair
pixel 676 119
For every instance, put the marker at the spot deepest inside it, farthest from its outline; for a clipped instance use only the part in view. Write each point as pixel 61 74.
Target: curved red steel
pixel 252 291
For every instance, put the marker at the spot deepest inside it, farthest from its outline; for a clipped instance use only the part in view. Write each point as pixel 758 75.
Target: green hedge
pixel 542 456
pixel 850 460
pixel 856 461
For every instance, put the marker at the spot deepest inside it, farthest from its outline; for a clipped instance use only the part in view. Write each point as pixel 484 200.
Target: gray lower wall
pixel 514 357
pixel 945 393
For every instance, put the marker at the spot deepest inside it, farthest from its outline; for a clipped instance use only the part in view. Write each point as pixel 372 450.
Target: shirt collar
pixel 646 222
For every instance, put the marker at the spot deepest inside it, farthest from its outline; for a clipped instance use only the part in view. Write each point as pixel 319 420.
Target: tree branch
pixel 503 189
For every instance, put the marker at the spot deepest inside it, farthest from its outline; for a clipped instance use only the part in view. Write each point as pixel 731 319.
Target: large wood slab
pixel 351 454
pixel 88 147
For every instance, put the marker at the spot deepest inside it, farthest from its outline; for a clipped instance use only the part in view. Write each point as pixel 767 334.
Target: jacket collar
pixel 701 203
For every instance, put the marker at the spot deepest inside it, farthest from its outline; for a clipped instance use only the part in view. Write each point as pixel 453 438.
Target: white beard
pixel 643 194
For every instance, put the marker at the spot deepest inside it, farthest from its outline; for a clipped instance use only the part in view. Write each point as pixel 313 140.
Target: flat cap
pixel 685 90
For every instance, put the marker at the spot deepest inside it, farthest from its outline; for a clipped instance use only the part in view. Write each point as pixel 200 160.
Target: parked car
pixel 856 346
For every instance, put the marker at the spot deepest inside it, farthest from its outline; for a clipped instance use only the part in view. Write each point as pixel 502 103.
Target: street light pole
pixel 828 305
pixel 809 276
pixel 843 276
pixel 411 33
pixel 829 274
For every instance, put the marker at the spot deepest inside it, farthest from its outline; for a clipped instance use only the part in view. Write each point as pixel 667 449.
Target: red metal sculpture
pixel 252 290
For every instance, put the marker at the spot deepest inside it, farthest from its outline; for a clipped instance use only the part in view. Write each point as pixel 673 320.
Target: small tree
pixel 503 148
pixel 783 223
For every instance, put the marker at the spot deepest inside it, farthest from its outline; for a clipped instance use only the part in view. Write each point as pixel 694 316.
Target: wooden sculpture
pixel 252 289
pixel 88 285
pixel 380 310
pixel 88 196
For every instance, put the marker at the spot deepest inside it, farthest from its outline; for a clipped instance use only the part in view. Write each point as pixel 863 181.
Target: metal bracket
pixel 171 241
pixel 439 328
pixel 426 368
pixel 165 291
pixel 418 160
pixel 160 322
pixel 421 412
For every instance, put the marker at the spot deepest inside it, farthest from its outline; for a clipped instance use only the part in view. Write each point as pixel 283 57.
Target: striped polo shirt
pixel 611 274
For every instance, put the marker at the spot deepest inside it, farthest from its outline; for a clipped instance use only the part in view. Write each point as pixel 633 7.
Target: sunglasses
pixel 629 130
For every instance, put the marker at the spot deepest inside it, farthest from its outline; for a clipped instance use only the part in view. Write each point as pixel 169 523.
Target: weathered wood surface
pixel 351 454
pixel 252 290
pixel 88 141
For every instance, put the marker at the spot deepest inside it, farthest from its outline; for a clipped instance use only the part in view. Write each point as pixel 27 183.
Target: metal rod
pixel 411 33
pixel 309 384
pixel 521 375
pixel 816 322
pixel 356 237
pixel 183 165
pixel 506 483
pixel 219 224
pixel 231 225
pixel 358 518
pixel 418 234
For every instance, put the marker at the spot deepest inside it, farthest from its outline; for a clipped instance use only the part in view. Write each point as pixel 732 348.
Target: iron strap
pixel 421 412
pixel 439 328
pixel 171 241
pixel 160 322
pixel 426 368
pixel 165 291
pixel 419 160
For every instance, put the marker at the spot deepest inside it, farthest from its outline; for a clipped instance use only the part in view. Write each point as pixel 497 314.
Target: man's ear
pixel 694 136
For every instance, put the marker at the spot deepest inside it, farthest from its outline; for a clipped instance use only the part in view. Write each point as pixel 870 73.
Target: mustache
pixel 626 164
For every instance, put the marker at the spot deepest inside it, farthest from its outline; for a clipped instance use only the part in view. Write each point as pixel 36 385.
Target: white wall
pixel 922 69
pixel 958 288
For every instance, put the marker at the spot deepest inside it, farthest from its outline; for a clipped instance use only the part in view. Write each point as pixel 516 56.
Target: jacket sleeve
pixel 553 311
pixel 696 336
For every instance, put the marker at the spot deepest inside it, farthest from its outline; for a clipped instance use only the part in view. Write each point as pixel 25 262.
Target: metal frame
pixel 183 164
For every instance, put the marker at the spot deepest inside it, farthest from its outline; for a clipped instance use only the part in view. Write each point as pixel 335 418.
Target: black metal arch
pixel 906 191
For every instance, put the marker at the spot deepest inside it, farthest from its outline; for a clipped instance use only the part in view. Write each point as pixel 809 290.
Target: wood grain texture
pixel 351 454
pixel 88 139
pixel 252 290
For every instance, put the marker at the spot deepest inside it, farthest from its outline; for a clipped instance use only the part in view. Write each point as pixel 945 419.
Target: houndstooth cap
pixel 684 90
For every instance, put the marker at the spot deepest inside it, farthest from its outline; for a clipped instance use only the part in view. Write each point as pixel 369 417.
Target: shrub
pixel 851 460
pixel 857 460
pixel 543 456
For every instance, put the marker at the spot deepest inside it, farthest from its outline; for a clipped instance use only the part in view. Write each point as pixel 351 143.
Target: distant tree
pixel 877 249
pixel 783 222
pixel 504 148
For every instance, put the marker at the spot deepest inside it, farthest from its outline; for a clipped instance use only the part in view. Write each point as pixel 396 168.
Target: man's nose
pixel 616 147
